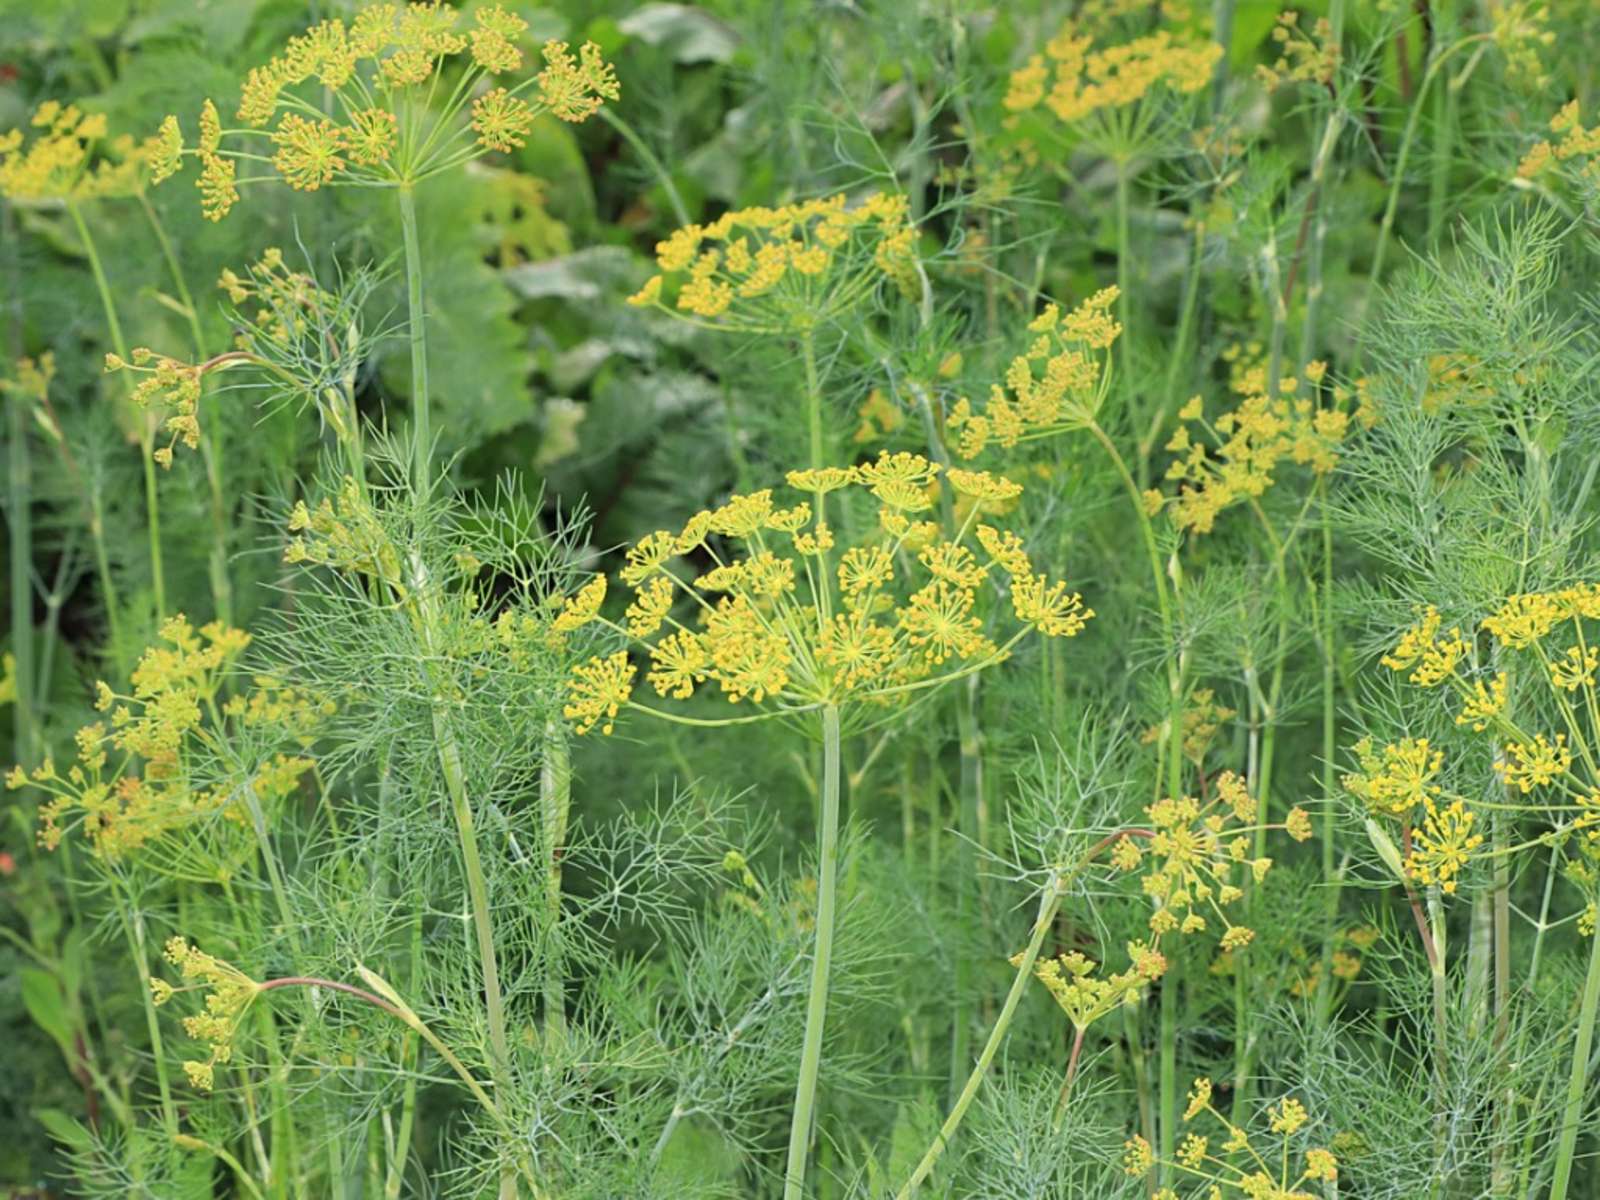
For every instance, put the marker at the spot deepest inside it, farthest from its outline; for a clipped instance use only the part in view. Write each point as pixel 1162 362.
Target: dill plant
pixel 377 882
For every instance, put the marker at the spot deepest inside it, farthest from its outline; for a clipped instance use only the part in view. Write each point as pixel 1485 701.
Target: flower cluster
pixel 1576 145
pixel 1074 80
pixel 1057 384
pixel 373 69
pixel 1193 852
pixel 1070 979
pixel 770 270
pixel 156 733
pixel 1398 780
pixel 1248 444
pixel 1302 57
pixel 69 158
pixel 228 995
pixel 785 617
pixel 1232 1166
pixel 288 334
pixel 168 384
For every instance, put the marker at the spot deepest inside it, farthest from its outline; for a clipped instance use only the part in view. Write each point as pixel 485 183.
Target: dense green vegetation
pixel 823 600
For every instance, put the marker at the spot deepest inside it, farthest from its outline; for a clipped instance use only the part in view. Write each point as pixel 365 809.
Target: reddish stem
pixel 333 985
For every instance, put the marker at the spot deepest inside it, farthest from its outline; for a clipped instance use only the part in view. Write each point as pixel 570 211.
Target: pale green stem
pixel 211 448
pixel 642 149
pixel 1397 180
pixel 805 1092
pixel 133 929
pixel 146 420
pixel 1049 901
pixel 1577 1081
pixel 555 795
pixel 422 429
pixel 478 893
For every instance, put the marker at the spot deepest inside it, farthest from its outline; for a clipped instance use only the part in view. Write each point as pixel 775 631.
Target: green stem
pixel 146 420
pixel 19 516
pixel 133 930
pixel 1582 1042
pixel 211 446
pixel 642 149
pixel 1049 901
pixel 1331 877
pixel 805 1092
pixel 422 430
pixel 1124 302
pixel 971 794
pixel 555 794
pixel 478 893
pixel 1397 180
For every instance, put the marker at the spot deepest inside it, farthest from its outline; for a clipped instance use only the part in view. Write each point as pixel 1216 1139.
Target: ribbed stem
pixel 146 420
pixel 1049 901
pixel 555 798
pixel 1582 1043
pixel 805 1092
pixel 422 427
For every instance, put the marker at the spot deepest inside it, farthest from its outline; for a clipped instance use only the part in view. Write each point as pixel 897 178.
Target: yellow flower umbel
pixel 1057 384
pixel 1196 858
pixel 1233 460
pixel 1557 772
pixel 228 996
pixel 1071 981
pixel 300 335
pixel 1228 1166
pixel 1576 149
pixel 379 77
pixel 788 269
pixel 65 155
pixel 1080 85
pixel 151 788
pixel 786 619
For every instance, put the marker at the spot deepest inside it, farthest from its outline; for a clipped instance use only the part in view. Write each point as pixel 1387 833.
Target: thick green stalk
pixel 555 798
pixel 422 429
pixel 1049 901
pixel 1331 877
pixel 805 1092
pixel 146 420
pixel 133 930
pixel 478 892
pixel 1582 1043
pixel 651 160
pixel 19 516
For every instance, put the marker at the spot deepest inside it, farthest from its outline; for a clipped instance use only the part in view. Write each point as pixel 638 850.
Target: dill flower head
pixel 1085 998
pixel 370 133
pixel 1198 855
pixel 1397 780
pixel 1232 1168
pixel 134 779
pixel 1576 146
pixel 1442 844
pixel 1234 458
pixel 65 154
pixel 1080 85
pixel 1537 763
pixel 1302 57
pixel 170 385
pixel 774 611
pixel 1058 383
pixel 1429 657
pixel 775 270
pixel 228 992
